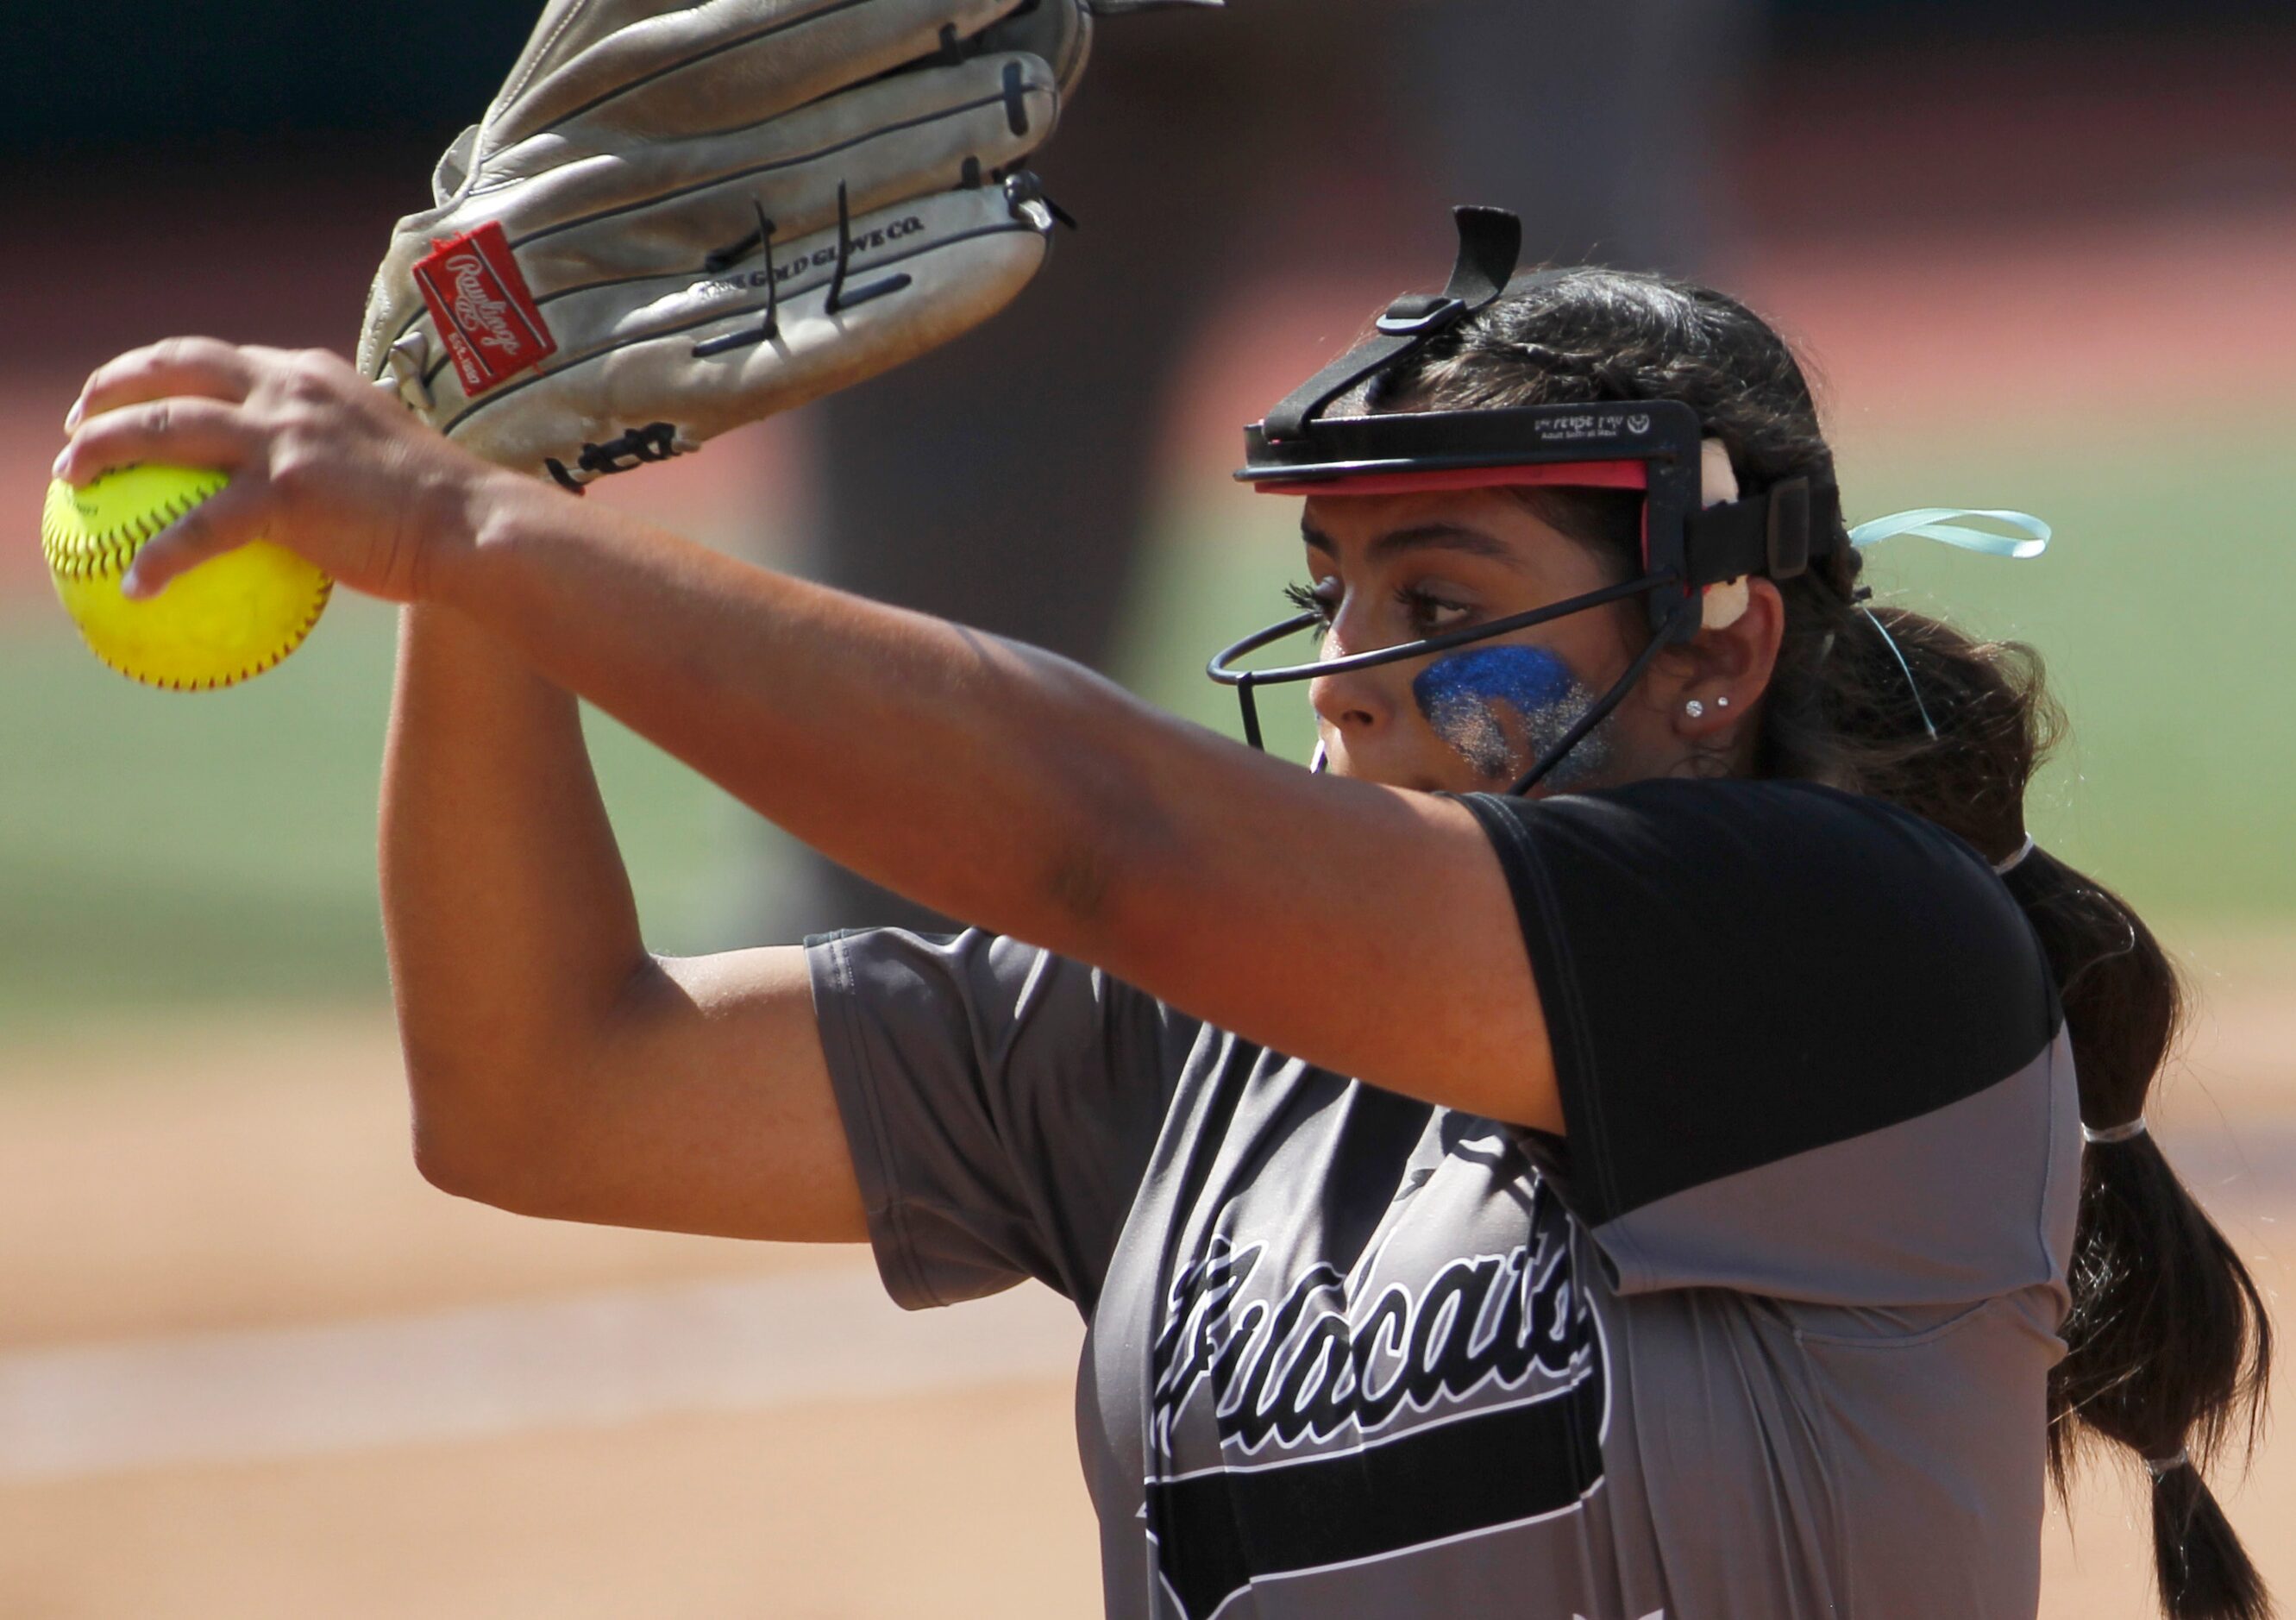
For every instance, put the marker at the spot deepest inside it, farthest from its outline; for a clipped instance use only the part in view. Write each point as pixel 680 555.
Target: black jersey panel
pixel 1736 972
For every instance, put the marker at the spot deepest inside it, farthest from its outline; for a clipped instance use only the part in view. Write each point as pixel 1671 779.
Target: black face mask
pixel 1650 445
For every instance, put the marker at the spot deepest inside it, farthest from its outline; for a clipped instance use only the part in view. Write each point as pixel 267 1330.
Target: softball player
pixel 1642 1132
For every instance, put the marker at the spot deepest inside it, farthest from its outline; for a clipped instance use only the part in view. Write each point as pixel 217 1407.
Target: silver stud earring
pixel 1721 702
pixel 1694 709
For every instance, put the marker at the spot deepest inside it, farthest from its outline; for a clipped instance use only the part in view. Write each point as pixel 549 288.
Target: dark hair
pixel 2169 1344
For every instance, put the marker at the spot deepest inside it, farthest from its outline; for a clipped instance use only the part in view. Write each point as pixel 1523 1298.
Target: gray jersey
pixel 1767 1334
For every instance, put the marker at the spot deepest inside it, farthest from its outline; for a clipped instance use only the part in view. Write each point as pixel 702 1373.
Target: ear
pixel 1723 670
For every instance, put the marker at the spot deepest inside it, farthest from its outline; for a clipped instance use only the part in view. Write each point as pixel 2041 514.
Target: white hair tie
pixel 2003 868
pixel 2113 1133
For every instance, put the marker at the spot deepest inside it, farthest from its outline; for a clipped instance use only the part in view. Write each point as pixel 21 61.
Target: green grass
pixel 2158 610
pixel 158 850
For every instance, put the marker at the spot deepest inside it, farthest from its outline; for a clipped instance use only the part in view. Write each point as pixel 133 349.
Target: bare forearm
pixel 1004 786
pixel 991 781
pixel 508 915
pixel 1020 793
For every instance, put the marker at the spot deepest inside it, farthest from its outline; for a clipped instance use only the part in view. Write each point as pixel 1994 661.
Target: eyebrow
pixel 1419 536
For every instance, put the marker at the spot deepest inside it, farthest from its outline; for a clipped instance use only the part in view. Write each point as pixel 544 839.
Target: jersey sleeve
pixel 1807 1045
pixel 1000 1104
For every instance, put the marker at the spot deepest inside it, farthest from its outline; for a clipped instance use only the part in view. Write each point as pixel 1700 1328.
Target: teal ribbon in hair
pixel 1940 523
pixel 2031 540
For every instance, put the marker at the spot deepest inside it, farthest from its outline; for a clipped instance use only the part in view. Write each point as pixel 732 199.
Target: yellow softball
pixel 231 617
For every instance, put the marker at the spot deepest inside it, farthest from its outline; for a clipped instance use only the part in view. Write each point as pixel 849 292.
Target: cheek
pixel 1500 708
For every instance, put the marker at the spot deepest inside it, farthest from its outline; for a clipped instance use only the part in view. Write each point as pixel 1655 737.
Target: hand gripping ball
pixel 232 616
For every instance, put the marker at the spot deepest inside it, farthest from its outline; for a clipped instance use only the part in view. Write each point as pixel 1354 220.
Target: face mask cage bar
pixel 1652 446
pixel 1221 667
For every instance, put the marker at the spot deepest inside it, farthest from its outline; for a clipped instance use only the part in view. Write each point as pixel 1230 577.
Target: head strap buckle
pixel 1490 243
pixel 1789 527
pixel 1421 314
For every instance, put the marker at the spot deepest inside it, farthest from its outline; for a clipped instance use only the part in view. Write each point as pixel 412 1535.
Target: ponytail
pixel 2169 1344
pixel 2168 1347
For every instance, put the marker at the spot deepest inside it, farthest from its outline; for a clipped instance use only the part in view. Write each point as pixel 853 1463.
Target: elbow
pixel 445 1159
pixel 491 1161
pixel 456 1162
pixel 502 1121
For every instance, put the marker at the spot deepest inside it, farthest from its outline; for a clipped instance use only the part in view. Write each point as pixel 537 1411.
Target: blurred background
pixel 250 1365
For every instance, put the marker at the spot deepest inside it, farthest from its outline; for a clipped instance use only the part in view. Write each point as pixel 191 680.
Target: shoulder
pixel 1830 905
pixel 1791 868
pixel 1764 827
pixel 1763 967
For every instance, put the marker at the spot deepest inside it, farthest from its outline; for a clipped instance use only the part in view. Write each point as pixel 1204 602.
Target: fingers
pixel 208 367
pixel 191 432
pixel 227 519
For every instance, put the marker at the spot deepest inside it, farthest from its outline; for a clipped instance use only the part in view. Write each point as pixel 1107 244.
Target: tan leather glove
pixel 676 217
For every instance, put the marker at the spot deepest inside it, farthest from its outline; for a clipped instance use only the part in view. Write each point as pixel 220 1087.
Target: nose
pixel 1354 703
pixel 1342 702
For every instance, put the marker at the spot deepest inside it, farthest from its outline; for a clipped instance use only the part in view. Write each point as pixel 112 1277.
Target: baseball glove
pixel 677 217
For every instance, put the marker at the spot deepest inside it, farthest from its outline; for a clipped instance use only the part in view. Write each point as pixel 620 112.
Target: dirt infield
pixel 920 1507
pixel 215 1176
pixel 915 1506
pixel 161 1187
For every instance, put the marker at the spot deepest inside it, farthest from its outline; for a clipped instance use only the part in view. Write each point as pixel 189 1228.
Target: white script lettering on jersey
pixel 1305 1420
pixel 1316 1364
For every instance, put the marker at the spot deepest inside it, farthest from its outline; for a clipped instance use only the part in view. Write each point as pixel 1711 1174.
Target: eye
pixel 1430 614
pixel 1321 598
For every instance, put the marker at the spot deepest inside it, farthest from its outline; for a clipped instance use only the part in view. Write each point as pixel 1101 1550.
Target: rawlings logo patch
pixel 486 318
